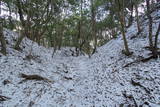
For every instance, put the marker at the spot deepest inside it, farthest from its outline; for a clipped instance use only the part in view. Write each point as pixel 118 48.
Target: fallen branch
pixel 4 98
pixel 33 77
pixel 130 97
pixel 127 65
pixel 141 60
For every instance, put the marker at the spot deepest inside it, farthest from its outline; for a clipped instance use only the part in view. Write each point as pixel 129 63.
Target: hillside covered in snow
pixel 34 77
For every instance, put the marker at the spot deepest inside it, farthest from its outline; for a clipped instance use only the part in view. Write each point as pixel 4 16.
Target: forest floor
pixel 33 78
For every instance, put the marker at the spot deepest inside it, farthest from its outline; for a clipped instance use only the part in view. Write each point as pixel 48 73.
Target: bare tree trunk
pixel 78 38
pixel 93 14
pixel 60 37
pixel 11 24
pixel 127 52
pixel 150 23
pixel 122 22
pixel 79 28
pixel 114 35
pixel 3 41
pixel 19 5
pixel 156 37
pixel 153 48
pixel 131 16
pixel 137 18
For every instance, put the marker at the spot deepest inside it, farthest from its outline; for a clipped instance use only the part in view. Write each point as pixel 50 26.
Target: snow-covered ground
pixel 99 81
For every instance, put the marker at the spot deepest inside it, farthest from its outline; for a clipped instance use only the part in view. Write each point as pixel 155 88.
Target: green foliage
pixel 67 22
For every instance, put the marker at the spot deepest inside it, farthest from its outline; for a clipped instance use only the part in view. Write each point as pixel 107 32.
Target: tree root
pixel 147 59
pixel 127 54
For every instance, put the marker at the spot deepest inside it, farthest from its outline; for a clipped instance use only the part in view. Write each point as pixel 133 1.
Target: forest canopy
pixel 82 24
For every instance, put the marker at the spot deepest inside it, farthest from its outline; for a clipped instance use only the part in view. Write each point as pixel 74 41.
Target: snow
pixel 97 81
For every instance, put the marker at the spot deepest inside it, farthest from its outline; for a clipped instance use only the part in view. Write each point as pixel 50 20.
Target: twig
pixel 134 83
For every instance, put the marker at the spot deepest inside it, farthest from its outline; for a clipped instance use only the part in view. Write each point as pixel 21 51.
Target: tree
pixel 120 13
pixel 153 47
pixel 24 28
pixel 2 39
pixel 35 17
pixel 93 21
pixel 150 23
pixel 130 7
pixel 136 2
pixel 156 37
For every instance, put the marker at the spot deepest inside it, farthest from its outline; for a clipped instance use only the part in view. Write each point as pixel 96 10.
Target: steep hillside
pixel 105 79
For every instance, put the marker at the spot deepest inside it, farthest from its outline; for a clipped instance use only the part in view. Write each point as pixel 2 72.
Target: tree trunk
pixel 60 37
pixel 137 18
pixel 79 36
pixel 122 23
pixel 150 23
pixel 153 48
pixel 19 5
pixel 3 41
pixel 93 14
pixel 156 37
pixel 131 16
pixel 11 24
pixel 127 52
